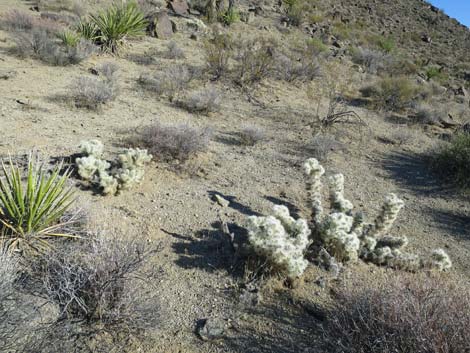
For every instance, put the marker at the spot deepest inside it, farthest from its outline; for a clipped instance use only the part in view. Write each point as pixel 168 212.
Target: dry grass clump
pixel 92 92
pixel 254 60
pixel 402 314
pixel 16 20
pixel 207 100
pixel 170 82
pixel 250 135
pixel 175 142
pixel 322 145
pixel 426 114
pixel 373 61
pixel 101 289
pixel 392 94
pixel 299 63
pixel 452 159
pixel 174 51
pixel 218 52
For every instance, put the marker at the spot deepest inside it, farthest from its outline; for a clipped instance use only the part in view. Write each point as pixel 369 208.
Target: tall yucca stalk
pixel 31 210
pixel 117 23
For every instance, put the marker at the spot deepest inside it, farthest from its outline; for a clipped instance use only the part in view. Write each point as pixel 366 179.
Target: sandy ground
pixel 176 208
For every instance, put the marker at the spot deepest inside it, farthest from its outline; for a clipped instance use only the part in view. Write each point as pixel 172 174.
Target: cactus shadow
pixel 234 204
pixel 412 171
pixel 212 249
pixel 293 209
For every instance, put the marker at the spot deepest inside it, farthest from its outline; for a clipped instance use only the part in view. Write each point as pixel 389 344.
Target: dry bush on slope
pixel 403 314
pixel 174 142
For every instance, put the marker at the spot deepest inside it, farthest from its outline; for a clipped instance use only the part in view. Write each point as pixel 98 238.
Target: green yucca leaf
pixel 30 211
pixel 69 38
pixel 117 23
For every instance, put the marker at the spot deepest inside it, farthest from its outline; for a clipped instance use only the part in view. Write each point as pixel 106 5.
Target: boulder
pixel 163 26
pixel 179 7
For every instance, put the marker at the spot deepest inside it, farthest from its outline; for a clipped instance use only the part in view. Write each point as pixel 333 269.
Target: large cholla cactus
pixel 281 239
pixel 123 174
pixel 346 236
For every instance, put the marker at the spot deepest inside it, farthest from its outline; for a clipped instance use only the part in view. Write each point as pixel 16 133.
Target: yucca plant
pixel 87 30
pixel 68 38
pixel 31 209
pixel 117 23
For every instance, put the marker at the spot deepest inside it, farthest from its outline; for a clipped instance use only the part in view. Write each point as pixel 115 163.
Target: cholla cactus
pixel 315 171
pixel 89 166
pixel 108 183
pixel 92 148
pixel 128 178
pixel 348 238
pixel 127 172
pixel 134 158
pixel 281 239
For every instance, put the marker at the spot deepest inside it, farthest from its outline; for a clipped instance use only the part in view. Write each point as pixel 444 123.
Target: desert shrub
pixel 207 100
pixel 108 70
pixel 401 314
pixel 230 16
pixel 92 92
pixel 68 38
pixel 174 51
pixel 299 63
pixel 295 11
pixel 385 44
pixel 32 203
pixel 452 159
pixel 175 142
pixel 255 60
pixel 117 23
pixel 250 135
pixel 394 94
pixel 218 51
pixel 42 45
pixel 18 21
pixel 373 61
pixel 322 145
pixel 102 290
pixel 427 114
pixel 170 82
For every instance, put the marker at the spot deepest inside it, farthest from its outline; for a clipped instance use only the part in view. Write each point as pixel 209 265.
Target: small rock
pixel 221 201
pixel 163 26
pixel 211 329
pixel 7 74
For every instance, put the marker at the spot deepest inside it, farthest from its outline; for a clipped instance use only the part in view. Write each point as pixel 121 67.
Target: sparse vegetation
pixel 205 101
pixel 250 135
pixel 92 92
pixel 218 51
pixel 323 144
pixel 171 82
pixel 392 94
pixel 452 159
pixel 373 61
pixel 400 314
pixel 175 142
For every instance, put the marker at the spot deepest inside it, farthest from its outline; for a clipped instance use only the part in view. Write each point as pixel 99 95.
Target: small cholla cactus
pixel 281 239
pixel 89 166
pixel 108 183
pixel 440 260
pixel 93 148
pixel 134 158
pixel 127 172
pixel 128 178
pixel 348 238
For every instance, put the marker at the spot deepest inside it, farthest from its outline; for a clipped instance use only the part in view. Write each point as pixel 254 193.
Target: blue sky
pixel 459 9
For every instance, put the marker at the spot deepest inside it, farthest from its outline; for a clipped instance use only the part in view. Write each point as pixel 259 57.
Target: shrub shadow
pixel 413 172
pixel 286 327
pixel 454 222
